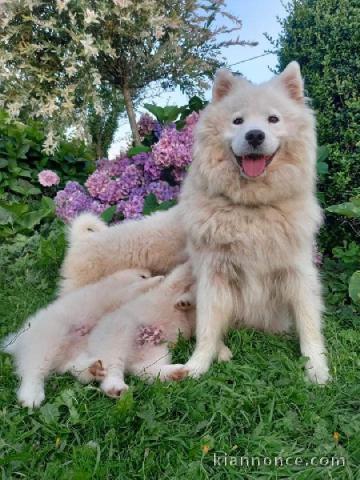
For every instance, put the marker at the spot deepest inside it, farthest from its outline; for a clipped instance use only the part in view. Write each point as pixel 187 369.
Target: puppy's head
pixel 254 138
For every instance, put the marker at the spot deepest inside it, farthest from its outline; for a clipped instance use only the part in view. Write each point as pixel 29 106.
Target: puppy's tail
pixel 84 225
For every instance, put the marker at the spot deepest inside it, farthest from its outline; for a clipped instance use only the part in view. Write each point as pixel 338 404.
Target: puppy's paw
pixel 97 370
pixel 31 396
pixel 185 302
pixel 183 305
pixel 114 387
pixel 225 354
pixel 173 372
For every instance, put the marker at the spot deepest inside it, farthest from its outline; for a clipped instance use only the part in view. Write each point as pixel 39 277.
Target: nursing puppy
pixel 248 214
pixel 134 338
pixel 55 334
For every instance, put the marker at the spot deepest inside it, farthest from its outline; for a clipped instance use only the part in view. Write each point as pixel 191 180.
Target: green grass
pixel 258 405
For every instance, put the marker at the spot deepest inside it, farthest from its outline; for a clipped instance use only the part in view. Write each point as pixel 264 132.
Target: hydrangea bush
pixel 123 185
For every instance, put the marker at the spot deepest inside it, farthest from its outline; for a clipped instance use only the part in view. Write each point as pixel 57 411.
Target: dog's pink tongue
pixel 253 167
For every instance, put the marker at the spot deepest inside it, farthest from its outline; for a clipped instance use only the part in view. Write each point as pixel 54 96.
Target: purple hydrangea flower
pixel 133 207
pixel 125 182
pixel 71 201
pixel 163 191
pixel 146 125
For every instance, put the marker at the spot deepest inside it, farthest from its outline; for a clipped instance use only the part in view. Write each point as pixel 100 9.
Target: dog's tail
pixel 84 225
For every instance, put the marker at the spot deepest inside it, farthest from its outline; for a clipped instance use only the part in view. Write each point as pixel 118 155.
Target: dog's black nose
pixel 255 137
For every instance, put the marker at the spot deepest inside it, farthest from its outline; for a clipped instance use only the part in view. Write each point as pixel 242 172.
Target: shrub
pixel 24 202
pixel 351 256
pixel 323 36
pixel 146 178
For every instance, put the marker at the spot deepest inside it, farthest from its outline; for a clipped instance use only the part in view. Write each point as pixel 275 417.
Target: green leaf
pixel 23 187
pixel 354 287
pixel 3 163
pixel 48 204
pixel 347 209
pixel 151 204
pixel 158 112
pixel 108 214
pixel 322 168
pixel 355 200
pixel 322 153
pixel 15 209
pixel 30 219
pixel 49 413
pixel 196 103
pixel 5 216
pixel 171 113
pixel 139 149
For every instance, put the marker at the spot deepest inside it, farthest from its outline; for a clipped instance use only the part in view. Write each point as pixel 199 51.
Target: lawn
pixel 258 405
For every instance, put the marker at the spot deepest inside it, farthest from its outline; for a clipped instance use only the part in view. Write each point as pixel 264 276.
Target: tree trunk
pixel 131 114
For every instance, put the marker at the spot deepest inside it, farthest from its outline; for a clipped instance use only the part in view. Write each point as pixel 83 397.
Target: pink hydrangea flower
pixel 48 178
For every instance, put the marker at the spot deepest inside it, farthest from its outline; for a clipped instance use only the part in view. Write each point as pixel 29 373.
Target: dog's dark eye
pixel 273 119
pixel 238 121
pixel 143 276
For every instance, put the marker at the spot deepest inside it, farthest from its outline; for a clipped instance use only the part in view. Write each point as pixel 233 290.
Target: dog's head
pixel 252 139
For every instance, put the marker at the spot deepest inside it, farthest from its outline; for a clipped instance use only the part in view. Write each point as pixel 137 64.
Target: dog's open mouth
pixel 254 164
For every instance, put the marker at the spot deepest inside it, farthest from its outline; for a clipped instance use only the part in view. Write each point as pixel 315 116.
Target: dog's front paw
pixel 31 396
pixel 174 372
pixel 113 387
pixel 318 371
pixel 197 366
pixel 225 354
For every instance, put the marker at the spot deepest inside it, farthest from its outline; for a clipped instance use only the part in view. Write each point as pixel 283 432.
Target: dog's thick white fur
pixel 156 242
pixel 57 333
pixel 248 214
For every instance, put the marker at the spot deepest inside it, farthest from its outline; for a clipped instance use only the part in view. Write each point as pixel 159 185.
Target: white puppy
pixel 55 334
pixel 135 337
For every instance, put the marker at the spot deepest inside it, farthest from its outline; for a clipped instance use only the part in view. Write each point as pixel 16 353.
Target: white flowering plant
pixel 57 56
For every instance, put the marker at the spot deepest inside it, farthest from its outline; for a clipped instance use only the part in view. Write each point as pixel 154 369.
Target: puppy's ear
pixel 292 80
pixel 223 83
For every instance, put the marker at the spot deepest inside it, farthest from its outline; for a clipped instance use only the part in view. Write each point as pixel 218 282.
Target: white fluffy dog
pixel 50 338
pixel 248 216
pixel 134 338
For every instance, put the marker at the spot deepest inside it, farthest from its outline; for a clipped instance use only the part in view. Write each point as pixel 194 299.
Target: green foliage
pixel 23 202
pixel 354 287
pixel 323 36
pixel 136 150
pixel 102 126
pixel 151 204
pixel 349 209
pixel 164 114
pixel 176 114
pixel 59 60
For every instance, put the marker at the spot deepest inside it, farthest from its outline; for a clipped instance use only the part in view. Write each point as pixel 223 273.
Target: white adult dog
pixel 247 215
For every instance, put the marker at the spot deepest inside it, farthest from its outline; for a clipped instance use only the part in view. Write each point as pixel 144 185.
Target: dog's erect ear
pixel 223 83
pixel 292 80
